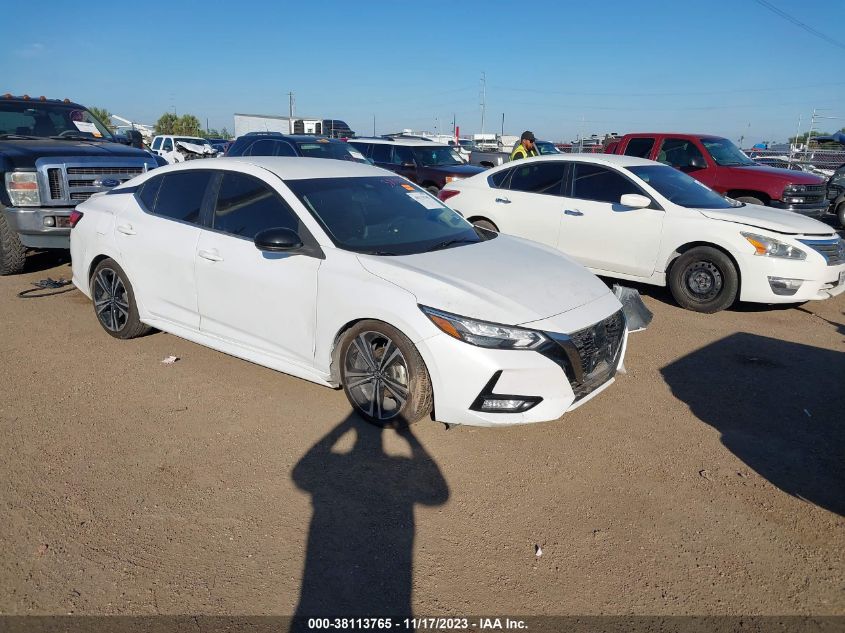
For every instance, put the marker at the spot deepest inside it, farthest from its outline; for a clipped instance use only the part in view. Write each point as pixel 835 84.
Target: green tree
pixel 224 133
pixel 104 116
pixel 166 124
pixel 187 124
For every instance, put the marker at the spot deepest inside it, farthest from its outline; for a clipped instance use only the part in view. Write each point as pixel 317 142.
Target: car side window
pixel 157 142
pixel 149 192
pixel 838 177
pixel 593 182
pixel 403 155
pixel 167 145
pixel 246 206
pixel 678 152
pixel 364 148
pixel 499 179
pixel 381 153
pixel 270 147
pixel 639 147
pixel 544 178
pixel 181 194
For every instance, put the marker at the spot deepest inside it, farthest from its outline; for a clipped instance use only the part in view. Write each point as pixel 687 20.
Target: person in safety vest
pixel 526 147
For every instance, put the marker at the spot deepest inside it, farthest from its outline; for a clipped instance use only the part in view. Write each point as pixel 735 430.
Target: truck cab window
pixel 678 153
pixel 639 147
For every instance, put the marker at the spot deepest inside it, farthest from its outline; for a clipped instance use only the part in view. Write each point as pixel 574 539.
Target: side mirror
pixel 277 240
pixel 635 201
pixel 408 165
pixel 697 162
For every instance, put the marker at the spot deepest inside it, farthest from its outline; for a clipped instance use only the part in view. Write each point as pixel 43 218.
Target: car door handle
pixel 126 229
pixel 574 212
pixel 503 200
pixel 212 255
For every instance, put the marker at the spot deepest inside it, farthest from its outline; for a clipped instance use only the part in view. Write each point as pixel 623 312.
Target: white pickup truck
pixel 178 149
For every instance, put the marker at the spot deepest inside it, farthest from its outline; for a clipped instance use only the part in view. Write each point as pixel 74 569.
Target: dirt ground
pixel 709 479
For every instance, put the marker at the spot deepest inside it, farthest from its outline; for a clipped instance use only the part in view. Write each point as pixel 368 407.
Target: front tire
pixel 384 376
pixel 434 191
pixel 750 200
pixel 840 214
pixel 485 224
pixel 704 279
pixel 12 251
pixel 114 301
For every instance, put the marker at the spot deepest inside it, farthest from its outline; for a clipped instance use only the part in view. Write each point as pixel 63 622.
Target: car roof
pixel 679 134
pixel 286 167
pixel 300 138
pixel 616 160
pixel 411 142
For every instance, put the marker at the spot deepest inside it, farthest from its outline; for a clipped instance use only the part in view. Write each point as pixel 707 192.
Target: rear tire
pixel 704 279
pixel 750 200
pixel 485 224
pixel 433 190
pixel 12 251
pixel 114 301
pixel 384 376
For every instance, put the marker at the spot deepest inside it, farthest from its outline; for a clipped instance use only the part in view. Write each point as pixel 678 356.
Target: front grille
pixel 833 251
pixel 589 356
pixel 74 179
pixel 129 172
pixel 54 179
pixel 811 193
pixel 81 195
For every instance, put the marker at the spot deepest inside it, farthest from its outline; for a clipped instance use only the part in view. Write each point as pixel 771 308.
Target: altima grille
pixel 833 251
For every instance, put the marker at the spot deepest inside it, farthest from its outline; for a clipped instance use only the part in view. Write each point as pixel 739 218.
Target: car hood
pixel 776 220
pixel 23 153
pixel 506 280
pixel 788 176
pixel 456 170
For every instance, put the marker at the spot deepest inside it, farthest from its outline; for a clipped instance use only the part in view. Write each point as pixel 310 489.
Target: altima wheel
pixel 384 376
pixel 114 301
pixel 704 279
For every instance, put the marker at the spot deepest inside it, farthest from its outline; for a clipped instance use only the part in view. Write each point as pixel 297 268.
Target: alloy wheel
pixel 376 375
pixel 111 300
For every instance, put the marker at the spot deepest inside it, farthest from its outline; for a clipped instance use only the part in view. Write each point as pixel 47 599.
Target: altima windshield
pixel 726 153
pixel 435 156
pixel 680 188
pixel 382 215
pixel 46 119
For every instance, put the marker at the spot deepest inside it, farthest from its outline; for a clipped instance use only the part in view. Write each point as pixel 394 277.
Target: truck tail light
pixel 75 217
pixel 445 194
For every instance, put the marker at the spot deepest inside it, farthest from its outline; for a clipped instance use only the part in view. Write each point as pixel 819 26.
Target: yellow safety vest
pixel 520 152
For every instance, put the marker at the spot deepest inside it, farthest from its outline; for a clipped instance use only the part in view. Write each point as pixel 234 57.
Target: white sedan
pixel 349 276
pixel 639 220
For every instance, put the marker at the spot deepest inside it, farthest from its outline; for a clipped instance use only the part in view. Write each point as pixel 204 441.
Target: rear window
pixel 270 147
pixel 181 194
pixel 639 147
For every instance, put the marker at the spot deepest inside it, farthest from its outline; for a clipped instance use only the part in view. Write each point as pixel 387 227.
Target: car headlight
pixel 482 333
pixel 771 247
pixel 23 188
pixel 795 189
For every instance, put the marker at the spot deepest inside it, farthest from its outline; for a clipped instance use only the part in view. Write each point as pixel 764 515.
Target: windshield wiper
pixel 23 137
pixel 448 243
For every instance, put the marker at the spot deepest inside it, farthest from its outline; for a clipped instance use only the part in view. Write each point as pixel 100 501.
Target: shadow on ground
pixel 779 407
pixel 359 560
pixel 45 260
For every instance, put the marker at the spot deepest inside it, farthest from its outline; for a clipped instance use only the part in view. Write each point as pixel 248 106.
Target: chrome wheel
pixel 376 375
pixel 111 301
pixel 703 280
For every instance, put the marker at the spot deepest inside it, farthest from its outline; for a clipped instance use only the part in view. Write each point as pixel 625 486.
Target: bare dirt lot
pixel 710 479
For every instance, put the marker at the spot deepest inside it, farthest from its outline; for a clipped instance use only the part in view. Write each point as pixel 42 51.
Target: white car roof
pixel 615 160
pixel 286 167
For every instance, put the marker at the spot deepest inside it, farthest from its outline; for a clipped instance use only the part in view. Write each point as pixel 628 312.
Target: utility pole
pixel 483 98
pixel 791 145
pixel 290 112
pixel 453 124
pixel 374 125
pixel 503 123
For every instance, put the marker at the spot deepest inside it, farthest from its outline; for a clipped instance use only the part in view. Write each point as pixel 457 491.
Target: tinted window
pixel 381 153
pixel 149 191
pixel 168 145
pixel 156 142
pixel 838 177
pixel 591 182
pixel 270 147
pixel 500 178
pixel 678 152
pixel 404 155
pixel 539 178
pixel 180 196
pixel 639 147
pixel 323 149
pixel 245 206
pixel 364 148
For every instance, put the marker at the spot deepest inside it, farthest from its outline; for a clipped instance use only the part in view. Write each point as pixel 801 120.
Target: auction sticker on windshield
pixel 85 126
pixel 425 200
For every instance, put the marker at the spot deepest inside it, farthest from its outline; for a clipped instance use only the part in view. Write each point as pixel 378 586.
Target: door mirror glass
pixel 697 162
pixel 277 240
pixel 635 201
pixel 408 165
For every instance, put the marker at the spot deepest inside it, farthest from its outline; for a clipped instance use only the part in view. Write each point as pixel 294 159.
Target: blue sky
pixel 561 69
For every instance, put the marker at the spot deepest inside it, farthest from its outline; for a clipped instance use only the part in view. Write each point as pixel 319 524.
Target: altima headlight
pixel 771 247
pixel 23 188
pixel 482 333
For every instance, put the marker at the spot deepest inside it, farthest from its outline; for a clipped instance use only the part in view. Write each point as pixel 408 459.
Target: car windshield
pixel 326 149
pixel 545 147
pixel 726 153
pixel 195 141
pixel 437 156
pixel 679 188
pixel 383 215
pixel 838 177
pixel 45 119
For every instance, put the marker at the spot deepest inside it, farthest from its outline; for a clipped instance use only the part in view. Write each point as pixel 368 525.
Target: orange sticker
pixel 408 187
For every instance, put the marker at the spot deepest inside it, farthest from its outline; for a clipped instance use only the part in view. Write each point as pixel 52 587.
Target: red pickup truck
pixel 720 165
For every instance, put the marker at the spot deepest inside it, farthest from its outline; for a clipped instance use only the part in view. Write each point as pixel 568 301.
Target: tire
pixel 750 200
pixel 114 301
pixel 12 251
pixel 377 358
pixel 433 190
pixel 840 214
pixel 704 279
pixel 485 224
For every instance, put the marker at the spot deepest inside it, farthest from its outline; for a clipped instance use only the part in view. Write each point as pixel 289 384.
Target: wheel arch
pixel 764 197
pixel 688 246
pixel 475 217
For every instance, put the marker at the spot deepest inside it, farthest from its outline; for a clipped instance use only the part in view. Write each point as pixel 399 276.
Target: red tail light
pixel 75 217
pixel 445 194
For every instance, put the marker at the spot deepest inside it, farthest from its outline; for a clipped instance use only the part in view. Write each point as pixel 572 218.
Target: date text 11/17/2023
pixel 420 623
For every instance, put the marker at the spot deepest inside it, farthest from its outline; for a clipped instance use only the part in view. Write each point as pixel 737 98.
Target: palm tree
pixel 104 116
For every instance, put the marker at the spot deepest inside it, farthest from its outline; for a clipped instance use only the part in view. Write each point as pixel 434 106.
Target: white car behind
pixel 639 220
pixel 349 276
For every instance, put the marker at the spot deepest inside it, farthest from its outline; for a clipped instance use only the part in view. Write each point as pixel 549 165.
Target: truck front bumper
pixel 40 227
pixel 815 210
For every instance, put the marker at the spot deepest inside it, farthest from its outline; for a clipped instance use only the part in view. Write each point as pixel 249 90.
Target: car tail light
pixel 75 217
pixel 445 194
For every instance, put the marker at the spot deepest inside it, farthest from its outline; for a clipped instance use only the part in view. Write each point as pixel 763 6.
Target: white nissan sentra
pixel 640 220
pixel 350 276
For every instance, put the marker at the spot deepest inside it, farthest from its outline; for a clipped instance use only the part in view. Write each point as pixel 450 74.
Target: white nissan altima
pixel 349 276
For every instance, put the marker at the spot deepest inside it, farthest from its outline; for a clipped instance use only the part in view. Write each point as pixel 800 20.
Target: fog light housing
pixel 490 402
pixel 785 287
pixel 494 404
pixel 49 220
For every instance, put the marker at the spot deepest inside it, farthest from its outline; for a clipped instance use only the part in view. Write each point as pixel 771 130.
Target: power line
pixel 799 23
pixel 827 85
